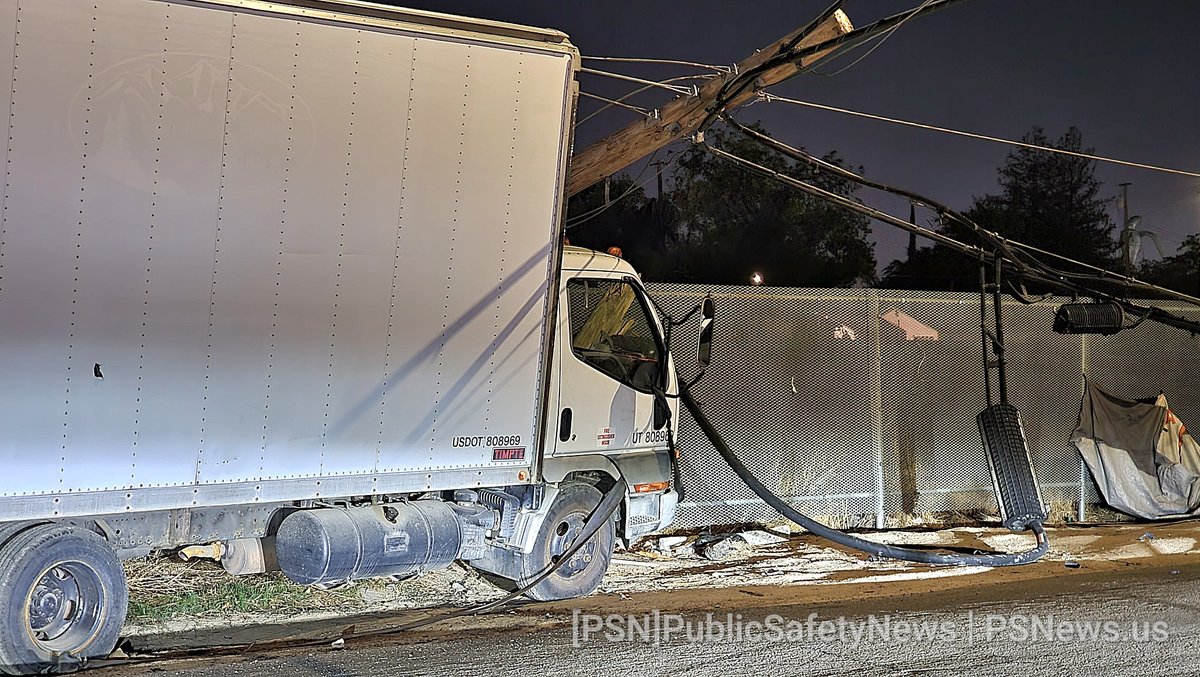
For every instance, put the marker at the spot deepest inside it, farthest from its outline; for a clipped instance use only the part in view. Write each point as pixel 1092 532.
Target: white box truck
pixel 286 281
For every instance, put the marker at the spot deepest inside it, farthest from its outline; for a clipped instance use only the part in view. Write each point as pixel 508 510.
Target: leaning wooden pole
pixel 684 115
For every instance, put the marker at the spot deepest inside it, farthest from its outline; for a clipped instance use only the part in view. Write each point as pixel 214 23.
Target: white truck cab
pixel 612 408
pixel 614 390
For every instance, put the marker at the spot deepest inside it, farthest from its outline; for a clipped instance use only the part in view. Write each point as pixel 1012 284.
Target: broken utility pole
pixel 684 115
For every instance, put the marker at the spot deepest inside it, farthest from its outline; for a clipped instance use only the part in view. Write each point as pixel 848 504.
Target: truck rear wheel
pixel 63 596
pixel 564 522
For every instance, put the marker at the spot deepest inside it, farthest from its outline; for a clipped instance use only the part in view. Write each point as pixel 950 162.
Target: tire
pixel 63 598
pixel 564 521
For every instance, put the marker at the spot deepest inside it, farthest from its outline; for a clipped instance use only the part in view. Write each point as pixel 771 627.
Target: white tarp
pixel 1144 461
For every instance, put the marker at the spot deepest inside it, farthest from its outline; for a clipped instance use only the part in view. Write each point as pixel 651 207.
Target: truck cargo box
pixel 252 252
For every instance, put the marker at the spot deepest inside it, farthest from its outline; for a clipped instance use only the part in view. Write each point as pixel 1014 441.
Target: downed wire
pixel 847 203
pixel 770 98
pixel 876 549
pixel 1005 246
pixel 997 242
pixel 602 513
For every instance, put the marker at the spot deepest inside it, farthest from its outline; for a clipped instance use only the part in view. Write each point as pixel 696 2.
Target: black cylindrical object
pixel 1089 318
pixel 327 545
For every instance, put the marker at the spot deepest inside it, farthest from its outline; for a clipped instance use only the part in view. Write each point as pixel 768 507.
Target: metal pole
pixel 983 330
pixel 1124 204
pixel 998 345
pixel 877 410
pixel 1083 471
pixel 1082 489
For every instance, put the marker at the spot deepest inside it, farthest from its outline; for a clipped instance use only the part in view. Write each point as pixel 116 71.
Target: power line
pixel 1002 246
pixel 983 137
pixel 824 51
pixel 624 97
pixel 652 114
pixel 686 91
pixel 637 183
pixel 1043 273
pixel 882 39
pixel 671 62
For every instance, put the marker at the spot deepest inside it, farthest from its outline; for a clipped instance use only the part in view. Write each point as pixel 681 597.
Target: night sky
pixel 1123 72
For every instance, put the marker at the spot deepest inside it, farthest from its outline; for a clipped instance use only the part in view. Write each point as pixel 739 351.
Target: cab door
pixel 612 359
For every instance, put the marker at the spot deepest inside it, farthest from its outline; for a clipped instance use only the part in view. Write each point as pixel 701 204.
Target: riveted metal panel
pixel 8 39
pixel 43 220
pixel 318 70
pixel 368 237
pixel 185 80
pixel 121 107
pixel 248 257
pixel 265 131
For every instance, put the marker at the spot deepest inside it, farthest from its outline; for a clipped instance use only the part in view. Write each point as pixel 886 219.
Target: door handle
pixel 564 425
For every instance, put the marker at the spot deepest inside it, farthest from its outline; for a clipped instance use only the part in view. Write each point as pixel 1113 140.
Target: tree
pixel 1047 200
pixel 1180 272
pixel 734 223
pixel 618 213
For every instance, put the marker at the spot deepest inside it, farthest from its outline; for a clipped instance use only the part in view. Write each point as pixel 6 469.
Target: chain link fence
pixel 860 404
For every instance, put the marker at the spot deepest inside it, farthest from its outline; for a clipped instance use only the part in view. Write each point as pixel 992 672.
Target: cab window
pixel 611 331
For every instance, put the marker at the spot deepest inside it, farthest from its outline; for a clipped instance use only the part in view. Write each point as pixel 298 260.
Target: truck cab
pixel 614 390
pixel 612 411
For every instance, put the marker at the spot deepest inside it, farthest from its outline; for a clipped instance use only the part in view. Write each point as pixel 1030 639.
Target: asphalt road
pixel 1125 620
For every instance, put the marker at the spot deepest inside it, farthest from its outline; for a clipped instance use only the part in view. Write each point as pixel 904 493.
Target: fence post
pixel 877 405
pixel 1083 365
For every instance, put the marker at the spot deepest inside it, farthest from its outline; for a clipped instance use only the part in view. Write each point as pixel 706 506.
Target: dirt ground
pixel 759 566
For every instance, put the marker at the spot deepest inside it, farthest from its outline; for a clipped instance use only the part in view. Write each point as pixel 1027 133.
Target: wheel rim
pixel 64 609
pixel 566 532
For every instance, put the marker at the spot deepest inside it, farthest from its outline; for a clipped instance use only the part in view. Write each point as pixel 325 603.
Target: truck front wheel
pixel 63 596
pixel 582 573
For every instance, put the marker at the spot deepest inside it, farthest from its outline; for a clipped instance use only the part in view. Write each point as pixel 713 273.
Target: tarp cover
pixel 1144 461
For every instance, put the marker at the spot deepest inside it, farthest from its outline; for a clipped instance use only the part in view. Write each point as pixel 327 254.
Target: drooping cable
pixel 827 49
pixel 620 104
pixel 574 221
pixel 669 62
pixel 756 485
pixel 1028 266
pixel 625 97
pixel 878 43
pixel 686 91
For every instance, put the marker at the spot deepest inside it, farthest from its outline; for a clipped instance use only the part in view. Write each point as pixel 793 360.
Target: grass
pixel 164 588
pixel 161 588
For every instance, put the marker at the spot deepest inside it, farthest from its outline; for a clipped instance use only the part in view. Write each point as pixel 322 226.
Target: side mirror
pixel 704 342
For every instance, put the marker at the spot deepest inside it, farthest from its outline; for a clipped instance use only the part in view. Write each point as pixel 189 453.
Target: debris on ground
pixel 734 545
pixel 171 596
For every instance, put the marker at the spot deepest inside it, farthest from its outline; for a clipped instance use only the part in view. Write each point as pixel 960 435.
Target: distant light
pixel 756 279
